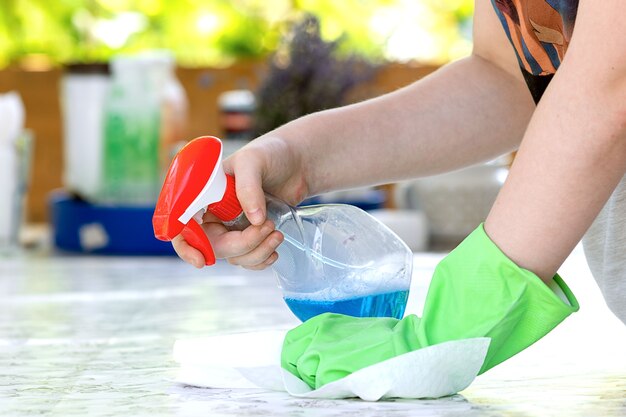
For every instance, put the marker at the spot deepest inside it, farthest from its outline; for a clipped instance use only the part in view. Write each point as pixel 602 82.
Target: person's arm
pixel 469 111
pixel 574 151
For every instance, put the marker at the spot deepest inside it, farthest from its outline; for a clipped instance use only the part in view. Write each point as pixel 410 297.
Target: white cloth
pixel 252 360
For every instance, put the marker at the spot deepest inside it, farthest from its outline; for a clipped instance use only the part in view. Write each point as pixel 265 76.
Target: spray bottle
pixel 334 258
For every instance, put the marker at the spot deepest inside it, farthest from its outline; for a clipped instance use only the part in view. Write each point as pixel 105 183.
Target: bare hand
pixel 265 164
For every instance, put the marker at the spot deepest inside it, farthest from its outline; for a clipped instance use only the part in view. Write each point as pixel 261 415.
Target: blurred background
pixel 100 94
pixel 39 33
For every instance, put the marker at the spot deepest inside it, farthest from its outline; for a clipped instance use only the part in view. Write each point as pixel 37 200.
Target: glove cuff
pixel 477 291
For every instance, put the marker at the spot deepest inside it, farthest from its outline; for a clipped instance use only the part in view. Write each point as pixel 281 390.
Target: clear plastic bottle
pixel 335 257
pixel 338 258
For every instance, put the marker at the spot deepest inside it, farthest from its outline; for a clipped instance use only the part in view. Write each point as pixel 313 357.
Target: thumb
pixel 249 190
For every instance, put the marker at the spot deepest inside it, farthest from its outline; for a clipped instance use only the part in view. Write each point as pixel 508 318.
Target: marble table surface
pixel 93 336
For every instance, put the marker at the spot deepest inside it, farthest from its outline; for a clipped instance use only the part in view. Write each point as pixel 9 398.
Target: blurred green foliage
pixel 209 32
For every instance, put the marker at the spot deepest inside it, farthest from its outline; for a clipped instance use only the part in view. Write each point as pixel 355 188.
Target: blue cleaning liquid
pixel 389 304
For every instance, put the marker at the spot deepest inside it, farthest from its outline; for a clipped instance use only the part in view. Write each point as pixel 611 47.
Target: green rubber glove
pixel 476 291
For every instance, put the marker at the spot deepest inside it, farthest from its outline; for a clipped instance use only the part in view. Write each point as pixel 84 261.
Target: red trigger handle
pixel 195 236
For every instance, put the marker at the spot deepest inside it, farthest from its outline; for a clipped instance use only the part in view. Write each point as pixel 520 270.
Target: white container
pixel 8 196
pixel 84 88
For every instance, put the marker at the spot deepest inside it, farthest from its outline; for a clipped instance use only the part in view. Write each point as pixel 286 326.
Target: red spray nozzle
pixel 195 181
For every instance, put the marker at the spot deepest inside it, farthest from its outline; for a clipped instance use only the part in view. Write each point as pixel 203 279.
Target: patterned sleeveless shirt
pixel 540 31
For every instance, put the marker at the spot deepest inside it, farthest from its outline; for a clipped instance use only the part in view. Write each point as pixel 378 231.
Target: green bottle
pixel 132 132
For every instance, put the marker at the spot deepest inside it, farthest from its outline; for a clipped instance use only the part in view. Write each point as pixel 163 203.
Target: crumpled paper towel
pixel 252 360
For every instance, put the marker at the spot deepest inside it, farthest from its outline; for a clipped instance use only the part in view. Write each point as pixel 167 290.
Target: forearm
pixel 571 158
pixel 466 112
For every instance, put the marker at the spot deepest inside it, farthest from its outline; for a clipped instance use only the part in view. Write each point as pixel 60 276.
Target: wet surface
pixel 93 336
